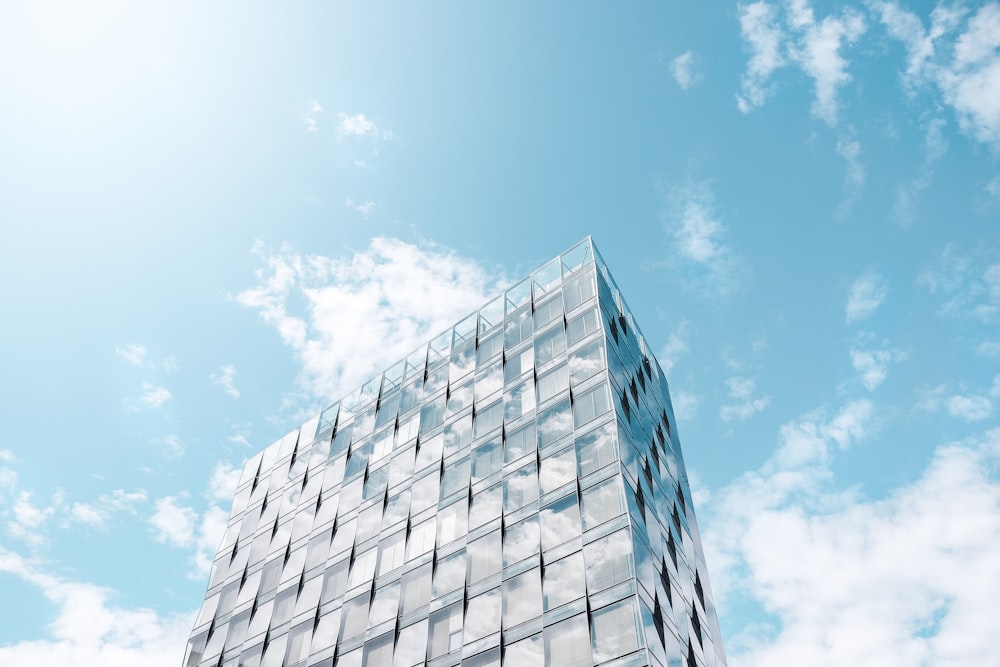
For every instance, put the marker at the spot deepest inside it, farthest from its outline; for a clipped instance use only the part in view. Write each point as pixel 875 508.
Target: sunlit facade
pixel 512 493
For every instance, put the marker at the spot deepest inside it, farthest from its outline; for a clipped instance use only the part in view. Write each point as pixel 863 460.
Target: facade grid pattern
pixel 511 493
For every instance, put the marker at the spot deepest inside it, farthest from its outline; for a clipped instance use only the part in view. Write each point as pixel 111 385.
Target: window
pixel 520 541
pixel 609 561
pixel 446 631
pixel 425 492
pixel 484 557
pixel 555 423
pixel 453 522
pixel 553 383
pixel 334 582
pixel 487 459
pixel 518 327
pixel 522 598
pixel 519 400
pixel 586 362
pixel 397 509
pixel 596 450
pixel 411 647
pixel 355 616
pixel 486 506
pixel 560 522
pixel 364 567
pixel 385 605
pixel 567 644
pixel 548 311
pixel 519 443
pixel 564 581
pixel 416 589
pixel 450 574
pixel 429 451
pixel 421 539
pixel 456 477
pixel 579 290
pixel 518 364
pixel 582 326
pixel 550 345
pixel 459 397
pixel 391 552
pixel 590 405
pixel 521 487
pixel 483 616
pixel 489 347
pixel 557 470
pixel 526 653
pixel 614 631
pixel 488 419
pixel 378 652
pixel 602 502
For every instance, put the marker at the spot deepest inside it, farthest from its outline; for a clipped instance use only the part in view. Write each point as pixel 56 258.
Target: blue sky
pixel 216 218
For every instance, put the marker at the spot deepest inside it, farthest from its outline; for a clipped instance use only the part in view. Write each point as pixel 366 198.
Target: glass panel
pixel 518 364
pixel 586 362
pixel 520 541
pixel 520 488
pixel 391 552
pixel 425 492
pixel 564 581
pixel 522 598
pixel 489 348
pixel 421 539
pixel 484 557
pixel 560 522
pixel 567 644
pixel 609 561
pixel 548 311
pixel 519 327
pixel 450 574
pixel 364 568
pixel 555 423
pixel 579 290
pixel 429 451
pixel 334 582
pixel 298 643
pixel 518 295
pixel 397 509
pixel 614 631
pixel 284 604
pixel 446 631
pixel 457 435
pixel 577 257
pixel 486 459
pixel 553 383
pixel 519 400
pixel 488 419
pixel 432 414
pixel 453 522
pixel 459 397
pixel 416 589
pixel 385 605
pixel 591 404
pixel 490 381
pixel 602 502
pixel 557 470
pixel 355 616
pixel 597 449
pixel 548 277
pixel 378 652
pixel 491 314
pixel 486 506
pixel 411 647
pixel 582 326
pixel 483 616
pixel 549 345
pixel 401 466
pixel 489 658
pixel 526 653
pixel 520 443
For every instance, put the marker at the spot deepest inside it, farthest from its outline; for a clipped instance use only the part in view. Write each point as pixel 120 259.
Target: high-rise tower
pixel 512 493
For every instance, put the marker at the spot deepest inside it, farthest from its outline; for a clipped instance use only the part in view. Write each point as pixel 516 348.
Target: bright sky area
pixel 216 218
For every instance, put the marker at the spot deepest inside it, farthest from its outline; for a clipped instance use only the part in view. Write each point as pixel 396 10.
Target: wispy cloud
pixel 152 396
pixel 849 148
pixel 745 404
pixel 364 208
pixel 908 195
pixel 363 312
pixel 872 365
pixel 359 125
pixel 686 69
pixel 968 282
pixel 88 629
pixel 865 296
pixel 134 353
pixel 964 403
pixel 311 118
pixel 98 514
pixel 675 347
pixel 225 377
pixel 697 237
pixel 764 38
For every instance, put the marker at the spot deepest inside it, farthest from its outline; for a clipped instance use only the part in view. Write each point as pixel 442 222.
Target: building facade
pixel 512 493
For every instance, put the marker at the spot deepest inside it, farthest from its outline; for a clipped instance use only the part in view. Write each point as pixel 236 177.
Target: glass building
pixel 512 493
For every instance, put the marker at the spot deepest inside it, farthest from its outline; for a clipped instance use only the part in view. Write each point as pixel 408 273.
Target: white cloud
pixel 240 439
pixel 746 405
pixel 89 630
pixel 908 195
pixel 841 579
pixel 311 118
pixel 969 283
pixel 98 513
pixel 675 347
pixel 764 37
pixel 225 378
pixel 814 46
pixel 970 408
pixel 358 125
pixel 175 524
pixel 29 520
pixel 364 208
pixel 153 396
pixel 685 404
pixel 873 365
pixel 850 149
pixel 367 311
pixel 686 69
pixel 134 353
pixel 865 296
pixel 697 239
pixel 222 485
pixel 6 456
pixel 171 445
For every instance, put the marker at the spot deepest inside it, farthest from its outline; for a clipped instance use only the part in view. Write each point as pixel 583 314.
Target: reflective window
pixel 522 598
pixel 411 647
pixel 591 404
pixel 609 561
pixel 557 470
pixel 484 557
pixel 518 327
pixel 488 419
pixel 526 653
pixel 489 658
pixel 486 506
pixel 384 605
pixel 483 616
pixel 548 311
pixel 579 290
pixel 391 551
pixel 421 539
pixel 397 509
pixel 586 362
pixel 519 442
pixel 364 567
pixel 553 383
pixel 432 414
pixel 560 522
pixel 284 604
pixel 449 575
pixel 518 364
pixel 457 435
pixel 355 616
pixel 596 450
pixel 490 381
pixel 489 348
pixel 521 487
pixel 456 477
pixel 602 502
pixel 614 631
pixel 446 631
pixel 401 466
pixel 564 581
pixel 425 492
pixel 453 522
pixel 486 459
pixel 369 523
pixel 549 345
pixel 459 397
pixel 583 325
pixel 567 644
pixel 429 451
pixel 334 581
pixel 519 400
pixel 520 541
pixel 554 423
pixel 416 589
pixel 378 652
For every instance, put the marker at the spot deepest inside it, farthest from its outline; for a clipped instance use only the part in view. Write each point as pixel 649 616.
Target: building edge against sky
pixel 513 492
